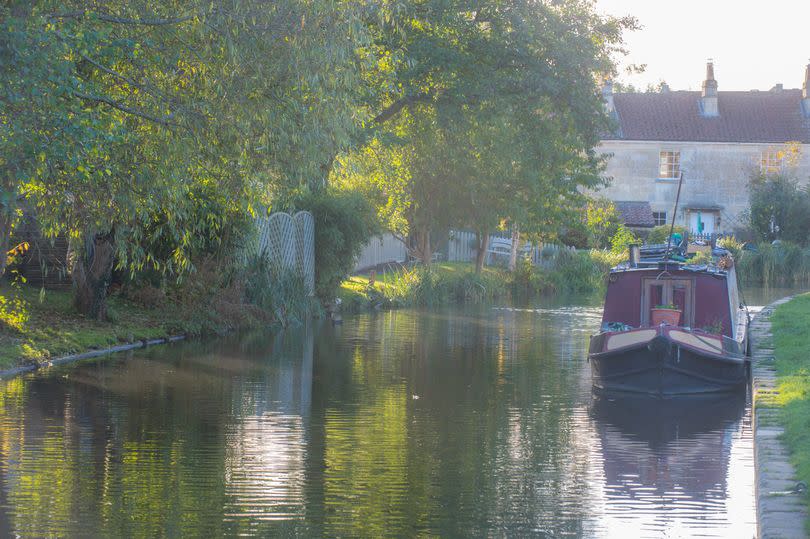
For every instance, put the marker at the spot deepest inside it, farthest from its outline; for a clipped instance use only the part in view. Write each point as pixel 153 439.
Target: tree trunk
pixel 423 250
pixel 5 240
pixel 482 244
pixel 92 272
pixel 515 245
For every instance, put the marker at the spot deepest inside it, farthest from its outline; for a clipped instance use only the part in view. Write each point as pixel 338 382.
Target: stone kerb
pixel 781 510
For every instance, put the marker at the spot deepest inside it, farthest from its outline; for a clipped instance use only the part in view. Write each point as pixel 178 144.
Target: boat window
pixel 667 291
pixel 679 291
pixel 656 294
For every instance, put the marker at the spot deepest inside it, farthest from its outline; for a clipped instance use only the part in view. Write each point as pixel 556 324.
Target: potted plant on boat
pixel 666 314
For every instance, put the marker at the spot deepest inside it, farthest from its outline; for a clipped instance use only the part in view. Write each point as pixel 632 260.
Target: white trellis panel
pixel 305 248
pixel 281 250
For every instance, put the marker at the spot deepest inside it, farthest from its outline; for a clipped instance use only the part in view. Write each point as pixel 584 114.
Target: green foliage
pixel 780 209
pixel 14 313
pixel 733 246
pixel 603 223
pixel 283 294
pixel 702 258
pixel 660 233
pixel 622 239
pixel 509 141
pixel 167 122
pixel 423 285
pixel 783 263
pixel 582 271
pixel 344 222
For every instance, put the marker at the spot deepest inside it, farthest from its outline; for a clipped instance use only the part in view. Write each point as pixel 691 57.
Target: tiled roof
pixel 755 116
pixel 635 213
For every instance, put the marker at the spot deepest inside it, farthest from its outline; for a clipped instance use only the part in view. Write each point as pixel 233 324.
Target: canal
pixel 455 422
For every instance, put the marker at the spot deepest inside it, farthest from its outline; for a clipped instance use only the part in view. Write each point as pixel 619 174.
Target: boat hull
pixel 667 364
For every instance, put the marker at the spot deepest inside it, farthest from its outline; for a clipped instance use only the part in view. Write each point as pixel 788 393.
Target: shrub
pixel 603 223
pixel 283 294
pixel 425 286
pixel 344 222
pixel 582 271
pixel 621 239
pixel 780 209
pixel 782 263
pixel 660 233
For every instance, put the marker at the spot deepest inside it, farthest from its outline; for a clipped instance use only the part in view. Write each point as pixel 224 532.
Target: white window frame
pixel 771 161
pixel 663 218
pixel 669 164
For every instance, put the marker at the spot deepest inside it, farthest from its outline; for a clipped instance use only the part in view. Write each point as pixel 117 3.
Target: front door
pixel 667 291
pixel 702 222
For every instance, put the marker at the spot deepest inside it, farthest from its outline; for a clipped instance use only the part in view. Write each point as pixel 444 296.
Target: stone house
pixel 718 140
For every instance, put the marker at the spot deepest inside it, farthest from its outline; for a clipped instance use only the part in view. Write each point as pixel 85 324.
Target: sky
pixel 754 44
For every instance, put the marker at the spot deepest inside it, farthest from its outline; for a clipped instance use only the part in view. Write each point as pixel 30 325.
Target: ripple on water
pixel 465 422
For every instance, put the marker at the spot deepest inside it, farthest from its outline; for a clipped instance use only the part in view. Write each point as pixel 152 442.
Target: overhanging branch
pixel 165 121
pixel 394 108
pixel 122 20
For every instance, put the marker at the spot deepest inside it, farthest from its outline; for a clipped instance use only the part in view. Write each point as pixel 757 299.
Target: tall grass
pixel 283 294
pixel 783 264
pixel 582 271
pixel 425 286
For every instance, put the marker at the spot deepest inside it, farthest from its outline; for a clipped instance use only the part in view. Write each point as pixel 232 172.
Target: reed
pixel 782 264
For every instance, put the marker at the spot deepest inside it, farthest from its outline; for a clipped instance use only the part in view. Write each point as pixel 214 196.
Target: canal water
pixel 460 422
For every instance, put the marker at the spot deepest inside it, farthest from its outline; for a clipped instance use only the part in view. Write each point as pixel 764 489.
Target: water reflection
pixel 669 463
pixel 451 423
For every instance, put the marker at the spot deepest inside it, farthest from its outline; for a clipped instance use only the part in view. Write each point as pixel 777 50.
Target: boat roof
pixel 669 266
pixel 657 257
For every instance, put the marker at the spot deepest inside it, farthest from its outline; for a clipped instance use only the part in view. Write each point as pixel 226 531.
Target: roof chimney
pixel 806 92
pixel 708 99
pixel 607 96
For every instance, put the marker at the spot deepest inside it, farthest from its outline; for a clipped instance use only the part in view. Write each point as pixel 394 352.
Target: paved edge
pixel 780 513
pixel 11 373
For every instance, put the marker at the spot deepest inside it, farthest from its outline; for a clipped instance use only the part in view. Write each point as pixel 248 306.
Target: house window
pixel 669 165
pixel 771 161
pixel 660 218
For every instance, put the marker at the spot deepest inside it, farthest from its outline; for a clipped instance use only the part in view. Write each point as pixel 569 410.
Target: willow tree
pixel 512 87
pixel 136 106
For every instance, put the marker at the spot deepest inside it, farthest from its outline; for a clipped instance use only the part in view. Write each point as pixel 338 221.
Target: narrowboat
pixel 671 328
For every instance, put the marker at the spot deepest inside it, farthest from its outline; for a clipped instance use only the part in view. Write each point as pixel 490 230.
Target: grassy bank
pixel 569 272
pixel 790 325
pixel 35 327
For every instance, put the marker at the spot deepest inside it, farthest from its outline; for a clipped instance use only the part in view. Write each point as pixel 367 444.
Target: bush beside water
pixel 569 272
pixel 781 264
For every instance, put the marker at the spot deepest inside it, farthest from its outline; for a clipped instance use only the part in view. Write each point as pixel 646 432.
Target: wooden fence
pixel 461 247
pixel 383 249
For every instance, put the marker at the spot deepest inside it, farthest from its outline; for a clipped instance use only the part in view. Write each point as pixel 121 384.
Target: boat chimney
pixel 635 254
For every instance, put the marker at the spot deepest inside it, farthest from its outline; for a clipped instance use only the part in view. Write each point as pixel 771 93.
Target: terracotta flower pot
pixel 666 316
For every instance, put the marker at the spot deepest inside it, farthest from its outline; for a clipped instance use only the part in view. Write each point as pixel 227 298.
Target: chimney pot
pixel 709 107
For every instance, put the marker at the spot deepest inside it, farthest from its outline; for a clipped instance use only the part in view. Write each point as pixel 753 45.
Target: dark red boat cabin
pixel 707 298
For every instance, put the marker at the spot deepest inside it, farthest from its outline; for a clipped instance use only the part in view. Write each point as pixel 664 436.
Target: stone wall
pixel 716 175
